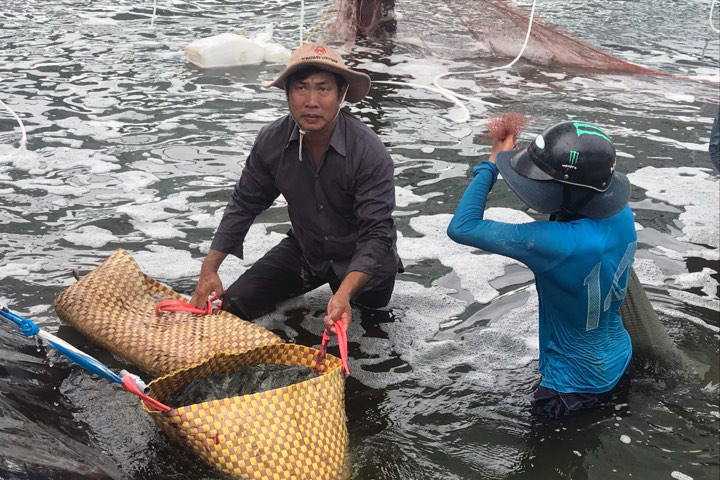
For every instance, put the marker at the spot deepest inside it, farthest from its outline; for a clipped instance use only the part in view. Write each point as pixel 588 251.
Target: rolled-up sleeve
pixel 373 207
pixel 254 192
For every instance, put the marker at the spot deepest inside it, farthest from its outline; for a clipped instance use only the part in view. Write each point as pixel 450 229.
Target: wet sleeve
pixel 714 147
pixel 254 192
pixel 536 244
pixel 373 206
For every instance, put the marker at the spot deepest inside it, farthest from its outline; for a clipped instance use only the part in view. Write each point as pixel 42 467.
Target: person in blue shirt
pixel 581 257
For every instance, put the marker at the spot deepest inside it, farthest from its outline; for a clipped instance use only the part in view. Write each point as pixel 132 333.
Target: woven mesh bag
pixel 296 432
pixel 114 305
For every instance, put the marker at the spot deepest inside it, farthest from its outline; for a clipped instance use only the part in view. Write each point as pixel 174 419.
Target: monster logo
pixel 589 129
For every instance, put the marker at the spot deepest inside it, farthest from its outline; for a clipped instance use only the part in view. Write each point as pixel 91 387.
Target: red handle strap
pixel 174 305
pixel 342 344
pixel 130 385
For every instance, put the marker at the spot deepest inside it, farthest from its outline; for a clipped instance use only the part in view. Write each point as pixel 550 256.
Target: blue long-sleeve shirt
pixel 581 272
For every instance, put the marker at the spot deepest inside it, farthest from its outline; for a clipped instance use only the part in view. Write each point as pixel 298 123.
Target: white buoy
pixel 236 49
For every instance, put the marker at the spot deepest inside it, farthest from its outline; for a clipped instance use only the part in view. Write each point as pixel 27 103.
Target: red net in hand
pixel 508 124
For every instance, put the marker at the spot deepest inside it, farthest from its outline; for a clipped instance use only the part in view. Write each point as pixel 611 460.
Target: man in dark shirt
pixel 338 180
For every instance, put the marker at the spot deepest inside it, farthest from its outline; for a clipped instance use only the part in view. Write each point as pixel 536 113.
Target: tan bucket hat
pixel 325 58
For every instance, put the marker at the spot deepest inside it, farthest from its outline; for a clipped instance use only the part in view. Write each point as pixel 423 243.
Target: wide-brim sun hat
pixel 570 164
pixel 324 58
pixel 545 195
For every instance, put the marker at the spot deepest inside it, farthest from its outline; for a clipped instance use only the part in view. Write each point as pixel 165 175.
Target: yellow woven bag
pixel 296 432
pixel 114 305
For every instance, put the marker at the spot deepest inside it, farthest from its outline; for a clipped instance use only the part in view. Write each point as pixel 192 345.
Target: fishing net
pixel 502 27
pixel 370 18
pixel 652 346
pixel 294 432
pixel 114 305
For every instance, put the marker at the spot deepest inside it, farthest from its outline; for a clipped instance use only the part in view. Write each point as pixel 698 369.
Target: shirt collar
pixel 337 138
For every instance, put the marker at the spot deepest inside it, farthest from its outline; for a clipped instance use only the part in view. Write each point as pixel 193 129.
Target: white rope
pixel 152 20
pixel 519 55
pixel 445 93
pixel 712 25
pixel 302 21
pixel 23 139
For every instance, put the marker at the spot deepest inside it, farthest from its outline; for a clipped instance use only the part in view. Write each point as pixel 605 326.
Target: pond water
pixel 130 147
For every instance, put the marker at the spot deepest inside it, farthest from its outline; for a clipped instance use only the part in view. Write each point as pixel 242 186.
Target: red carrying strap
pixel 342 344
pixel 130 385
pixel 183 306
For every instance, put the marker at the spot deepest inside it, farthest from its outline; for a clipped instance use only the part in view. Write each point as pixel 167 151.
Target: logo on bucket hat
pixel 320 50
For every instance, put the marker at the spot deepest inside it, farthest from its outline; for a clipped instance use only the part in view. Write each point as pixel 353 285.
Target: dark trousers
pixel 283 274
pixel 547 402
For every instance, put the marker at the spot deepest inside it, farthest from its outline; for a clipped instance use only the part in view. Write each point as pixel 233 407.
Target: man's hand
pixel 507 143
pixel 338 310
pixel 209 281
pixel 504 131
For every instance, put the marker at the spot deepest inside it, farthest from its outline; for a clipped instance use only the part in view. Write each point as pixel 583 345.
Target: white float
pixel 236 49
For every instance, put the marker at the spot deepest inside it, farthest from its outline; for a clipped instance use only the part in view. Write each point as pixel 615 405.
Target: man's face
pixel 314 101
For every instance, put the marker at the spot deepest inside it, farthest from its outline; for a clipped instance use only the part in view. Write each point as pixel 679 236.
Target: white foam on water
pixel 508 342
pixel 14 269
pixel 46 160
pixel 443 170
pixel 161 262
pixel 679 97
pixel 135 180
pixel 405 196
pixel 648 272
pixel 667 252
pixel 206 220
pixel 712 303
pixel 159 231
pixel 150 216
pixel 680 476
pixel 673 313
pixel 698 147
pixel 705 253
pixel 258 242
pixel 702 279
pixel 692 188
pixel 418 313
pixel 90 236
pixel 475 271
pixel 6 216
pixel 50 185
pixel 264 115
pixel 98 129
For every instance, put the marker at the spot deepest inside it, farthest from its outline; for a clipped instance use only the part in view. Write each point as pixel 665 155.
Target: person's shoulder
pixel 358 127
pixel 362 136
pixel 280 127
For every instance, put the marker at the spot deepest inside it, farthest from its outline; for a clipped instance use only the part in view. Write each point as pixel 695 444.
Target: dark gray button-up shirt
pixel 341 211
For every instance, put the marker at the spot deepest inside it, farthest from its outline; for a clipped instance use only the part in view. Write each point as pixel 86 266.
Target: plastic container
pixel 225 50
pixel 236 48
